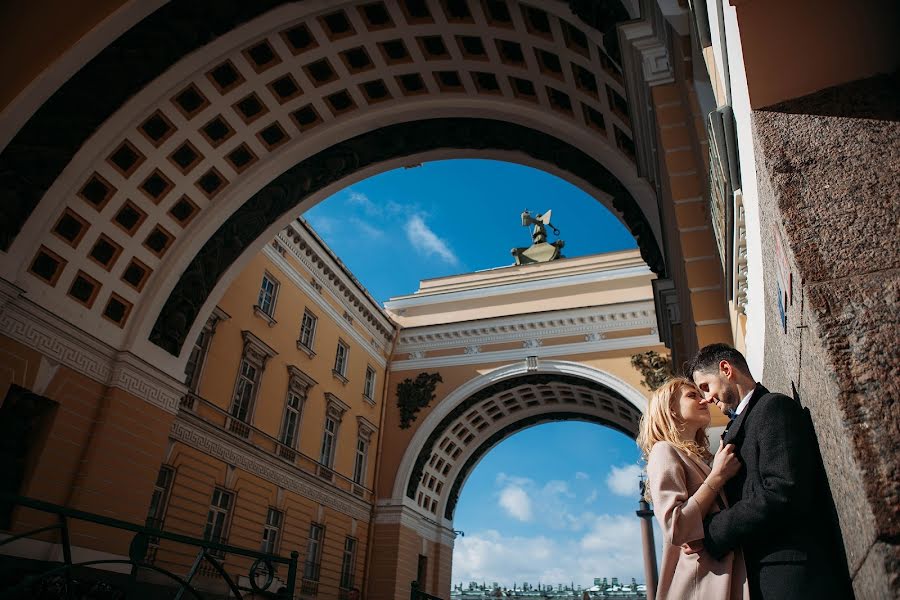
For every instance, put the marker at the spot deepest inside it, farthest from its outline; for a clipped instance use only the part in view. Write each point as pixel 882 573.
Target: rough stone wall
pixel 828 184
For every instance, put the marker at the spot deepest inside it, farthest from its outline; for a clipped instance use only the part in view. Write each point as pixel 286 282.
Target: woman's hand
pixel 725 465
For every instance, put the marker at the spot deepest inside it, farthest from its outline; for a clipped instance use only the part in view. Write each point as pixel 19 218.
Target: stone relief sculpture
pixel 654 367
pixel 415 394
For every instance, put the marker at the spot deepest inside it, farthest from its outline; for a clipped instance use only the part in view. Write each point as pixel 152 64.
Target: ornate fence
pixel 140 556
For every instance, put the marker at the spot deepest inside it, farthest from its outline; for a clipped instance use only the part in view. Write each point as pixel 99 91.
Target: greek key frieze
pixel 208 443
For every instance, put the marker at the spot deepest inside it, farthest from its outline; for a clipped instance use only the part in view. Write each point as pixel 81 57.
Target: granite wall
pixel 828 171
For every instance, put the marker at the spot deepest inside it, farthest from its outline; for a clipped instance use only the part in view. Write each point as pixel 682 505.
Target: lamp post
pixel 645 513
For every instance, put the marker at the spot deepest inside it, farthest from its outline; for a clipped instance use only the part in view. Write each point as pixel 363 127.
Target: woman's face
pixel 692 409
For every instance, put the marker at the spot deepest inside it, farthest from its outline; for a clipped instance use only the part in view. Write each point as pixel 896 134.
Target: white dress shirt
pixel 744 402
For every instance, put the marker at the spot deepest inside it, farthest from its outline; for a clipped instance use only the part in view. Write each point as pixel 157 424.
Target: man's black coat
pixel 778 505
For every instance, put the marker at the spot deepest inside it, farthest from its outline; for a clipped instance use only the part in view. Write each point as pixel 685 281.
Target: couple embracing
pixel 753 520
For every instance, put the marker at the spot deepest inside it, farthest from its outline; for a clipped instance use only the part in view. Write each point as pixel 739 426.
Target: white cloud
pixel 593 497
pixel 611 547
pixel 367 229
pixel 322 225
pixel 515 501
pixel 363 201
pixel 623 481
pixel 425 240
pixel 581 475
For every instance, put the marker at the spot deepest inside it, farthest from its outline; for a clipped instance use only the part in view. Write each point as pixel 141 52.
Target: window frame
pixel 369 384
pixel 314 321
pixel 348 567
pixel 226 512
pixel 341 361
pixel 201 347
pixel 314 546
pixel 276 285
pixel 270 540
pixel 256 355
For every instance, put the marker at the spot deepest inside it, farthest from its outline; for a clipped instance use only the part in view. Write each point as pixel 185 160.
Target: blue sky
pixel 554 503
pixel 454 216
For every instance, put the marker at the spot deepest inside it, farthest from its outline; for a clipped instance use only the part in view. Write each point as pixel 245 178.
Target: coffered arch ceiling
pixel 486 418
pixel 130 193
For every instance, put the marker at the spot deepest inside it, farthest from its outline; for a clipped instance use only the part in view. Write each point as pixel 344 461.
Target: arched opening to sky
pixel 454 216
pixel 552 504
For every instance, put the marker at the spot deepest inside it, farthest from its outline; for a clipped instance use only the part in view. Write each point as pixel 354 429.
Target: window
pixel 369 387
pixel 308 330
pixel 244 392
pixel 364 432
pixel 313 552
pixel 267 293
pixel 217 519
pixel 359 466
pixel 195 361
pixel 340 359
pixel 160 497
pixel 197 358
pixel 329 441
pixel 253 362
pixel 270 532
pixel 348 565
pixel 290 425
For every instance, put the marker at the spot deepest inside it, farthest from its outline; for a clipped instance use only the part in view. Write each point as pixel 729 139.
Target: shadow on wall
pixel 830 529
pixel 872 98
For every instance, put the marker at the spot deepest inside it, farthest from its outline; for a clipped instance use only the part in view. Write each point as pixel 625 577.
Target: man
pixel 778 500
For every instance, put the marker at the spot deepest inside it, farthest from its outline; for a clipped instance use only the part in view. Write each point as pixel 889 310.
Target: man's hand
pixel 692 547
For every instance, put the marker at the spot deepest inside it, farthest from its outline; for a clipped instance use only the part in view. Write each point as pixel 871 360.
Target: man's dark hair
pixel 709 357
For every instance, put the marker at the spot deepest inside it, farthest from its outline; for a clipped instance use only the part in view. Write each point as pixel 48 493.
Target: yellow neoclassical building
pixel 278 432
pixel 177 350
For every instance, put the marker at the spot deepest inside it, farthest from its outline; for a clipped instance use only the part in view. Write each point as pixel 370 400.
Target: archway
pixel 475 417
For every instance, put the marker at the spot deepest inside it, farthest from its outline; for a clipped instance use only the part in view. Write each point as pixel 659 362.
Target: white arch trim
pixel 518 369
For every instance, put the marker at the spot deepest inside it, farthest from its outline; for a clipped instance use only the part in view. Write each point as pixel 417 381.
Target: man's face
pixel 718 388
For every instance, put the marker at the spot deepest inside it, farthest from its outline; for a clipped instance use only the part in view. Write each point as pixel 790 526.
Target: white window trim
pixel 268 316
pixel 299 384
pixel 218 315
pixel 257 353
pixel 308 348
pixel 341 375
pixel 370 397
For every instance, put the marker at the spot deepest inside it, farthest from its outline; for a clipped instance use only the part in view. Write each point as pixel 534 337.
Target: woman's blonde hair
pixel 661 424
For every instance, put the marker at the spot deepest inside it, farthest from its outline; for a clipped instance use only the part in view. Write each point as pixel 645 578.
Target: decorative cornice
pixel 547 325
pixel 520 354
pixel 308 251
pixel 508 289
pixel 60 341
pixel 406 516
pixel 214 443
pixel 324 306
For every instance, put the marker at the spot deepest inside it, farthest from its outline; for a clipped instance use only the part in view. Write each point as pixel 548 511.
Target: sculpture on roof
pixel 540 250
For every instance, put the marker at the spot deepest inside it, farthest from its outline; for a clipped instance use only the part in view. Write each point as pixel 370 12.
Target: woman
pixel 684 489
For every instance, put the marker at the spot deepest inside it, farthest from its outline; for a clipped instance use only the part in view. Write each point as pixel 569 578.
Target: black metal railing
pixel 203 409
pixel 417 594
pixel 140 556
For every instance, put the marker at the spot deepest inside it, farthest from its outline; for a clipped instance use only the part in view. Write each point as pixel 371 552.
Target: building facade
pixel 151 152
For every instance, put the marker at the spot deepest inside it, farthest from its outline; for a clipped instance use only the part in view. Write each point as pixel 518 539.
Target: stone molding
pixel 563 323
pixel 405 516
pixel 322 304
pixel 512 289
pixel 520 354
pixel 218 444
pixel 305 246
pixel 60 341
